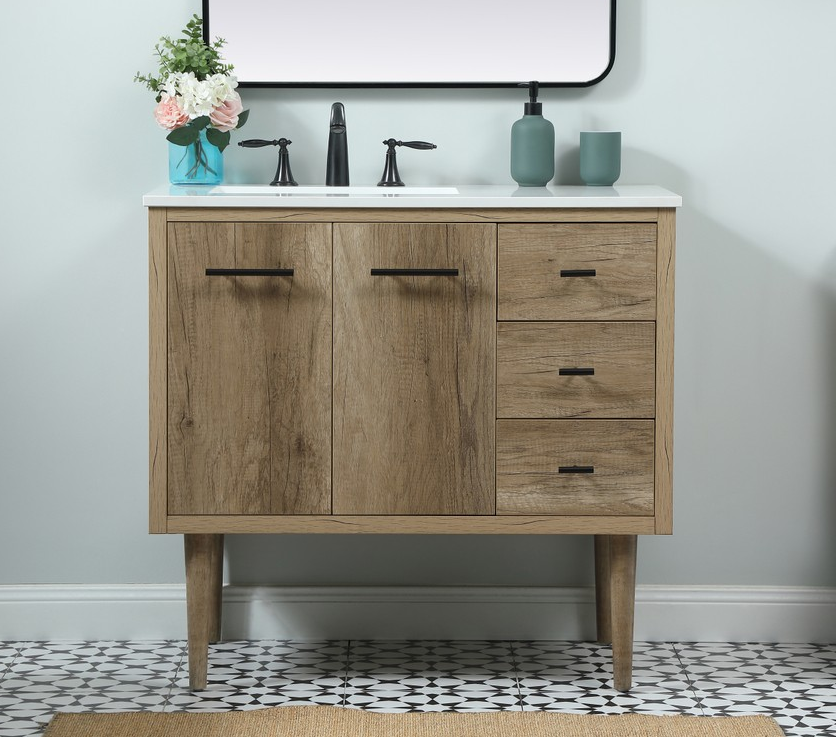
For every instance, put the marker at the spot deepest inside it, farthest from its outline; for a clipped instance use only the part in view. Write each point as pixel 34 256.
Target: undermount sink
pixel 266 189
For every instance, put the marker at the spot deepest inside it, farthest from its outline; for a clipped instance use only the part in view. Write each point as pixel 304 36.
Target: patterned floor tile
pixel 814 664
pixel 431 676
pixel 468 661
pixel 589 664
pixel 795 684
pixel 259 660
pixel 721 664
pixel 94 665
pixel 798 714
pixel 24 712
pixel 577 678
pixel 219 698
pixel 8 654
pixel 713 667
pixel 252 675
pixel 570 699
pixel 46 677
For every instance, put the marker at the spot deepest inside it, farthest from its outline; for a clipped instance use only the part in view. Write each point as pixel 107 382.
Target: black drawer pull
pixel 415 272
pixel 249 272
pixel 576 372
pixel 577 272
pixel 576 469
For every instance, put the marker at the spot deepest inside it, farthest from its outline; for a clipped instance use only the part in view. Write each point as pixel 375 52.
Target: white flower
pixel 170 85
pixel 222 87
pixel 198 98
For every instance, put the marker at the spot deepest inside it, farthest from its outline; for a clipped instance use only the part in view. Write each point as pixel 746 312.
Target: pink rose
pixel 225 116
pixel 169 114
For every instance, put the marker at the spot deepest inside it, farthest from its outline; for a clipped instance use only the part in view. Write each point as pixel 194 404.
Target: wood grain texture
pixel 413 525
pixel 249 370
pixel 245 441
pixel 411 215
pixel 623 599
pixel 157 371
pixel 202 580
pixel 529 454
pixel 414 370
pixel 530 356
pixel 666 252
pixel 531 257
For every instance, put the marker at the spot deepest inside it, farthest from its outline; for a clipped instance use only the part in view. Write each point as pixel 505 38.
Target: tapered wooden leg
pixel 216 606
pixel 202 561
pixel 623 595
pixel 603 601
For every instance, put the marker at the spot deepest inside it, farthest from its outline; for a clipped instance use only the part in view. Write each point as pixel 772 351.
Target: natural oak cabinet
pixel 559 271
pixel 414 363
pixel 249 369
pixel 576 369
pixel 406 370
pixel 575 467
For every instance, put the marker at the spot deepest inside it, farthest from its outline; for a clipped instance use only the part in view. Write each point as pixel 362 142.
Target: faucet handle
pixel 258 143
pixel 423 145
pixel 391 177
pixel 284 177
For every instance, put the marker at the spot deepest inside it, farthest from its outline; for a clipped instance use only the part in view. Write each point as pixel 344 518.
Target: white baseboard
pixel 663 613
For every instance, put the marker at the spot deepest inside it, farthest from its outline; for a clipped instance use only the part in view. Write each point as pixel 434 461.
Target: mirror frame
pixel 207 34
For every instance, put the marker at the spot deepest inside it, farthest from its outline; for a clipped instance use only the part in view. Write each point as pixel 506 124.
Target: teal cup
pixel 600 157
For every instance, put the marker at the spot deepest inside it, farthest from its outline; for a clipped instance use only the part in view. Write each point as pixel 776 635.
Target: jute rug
pixel 322 721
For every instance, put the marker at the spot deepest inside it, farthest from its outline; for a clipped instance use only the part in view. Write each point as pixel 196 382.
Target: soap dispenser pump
pixel 532 144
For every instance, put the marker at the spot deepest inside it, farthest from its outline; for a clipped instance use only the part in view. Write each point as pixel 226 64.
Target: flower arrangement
pixel 195 93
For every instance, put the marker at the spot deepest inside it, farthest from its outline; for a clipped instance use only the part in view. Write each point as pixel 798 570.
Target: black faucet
pixel 284 177
pixel 391 177
pixel 336 173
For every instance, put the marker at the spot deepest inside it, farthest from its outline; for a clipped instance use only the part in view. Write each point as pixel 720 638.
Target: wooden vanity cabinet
pixel 249 369
pixel 411 371
pixel 414 363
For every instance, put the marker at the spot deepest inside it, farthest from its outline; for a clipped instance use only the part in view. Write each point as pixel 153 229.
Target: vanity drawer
pixel 577 271
pixel 575 369
pixel 574 467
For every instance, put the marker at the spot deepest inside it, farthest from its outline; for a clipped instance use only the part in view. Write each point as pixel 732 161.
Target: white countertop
pixel 458 196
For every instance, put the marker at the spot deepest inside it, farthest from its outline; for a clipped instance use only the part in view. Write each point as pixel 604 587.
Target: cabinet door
pixel 249 370
pixel 414 370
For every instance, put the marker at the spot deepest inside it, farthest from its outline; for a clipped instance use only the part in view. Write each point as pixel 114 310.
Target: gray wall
pixel 729 104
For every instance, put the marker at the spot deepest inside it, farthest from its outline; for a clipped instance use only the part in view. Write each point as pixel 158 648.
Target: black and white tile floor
pixel 795 684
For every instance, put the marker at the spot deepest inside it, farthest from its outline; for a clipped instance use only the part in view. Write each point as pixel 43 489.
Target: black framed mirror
pixel 437 43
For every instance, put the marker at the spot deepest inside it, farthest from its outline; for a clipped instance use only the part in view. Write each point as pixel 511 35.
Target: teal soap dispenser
pixel 532 144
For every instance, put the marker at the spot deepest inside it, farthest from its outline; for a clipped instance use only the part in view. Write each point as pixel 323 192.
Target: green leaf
pixel 216 138
pixel 242 118
pixel 184 136
pixel 201 122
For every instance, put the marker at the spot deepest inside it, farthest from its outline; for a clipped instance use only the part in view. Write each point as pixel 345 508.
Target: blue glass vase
pixel 198 163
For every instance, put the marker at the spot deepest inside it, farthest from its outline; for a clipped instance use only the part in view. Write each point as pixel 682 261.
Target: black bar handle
pixel 576 469
pixel 577 272
pixel 249 272
pixel 576 372
pixel 415 272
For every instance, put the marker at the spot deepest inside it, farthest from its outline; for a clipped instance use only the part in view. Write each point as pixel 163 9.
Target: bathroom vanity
pixel 473 361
